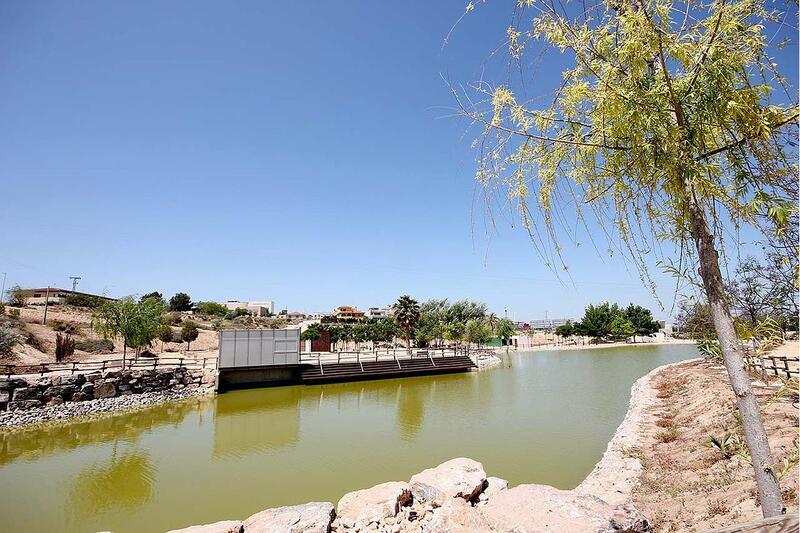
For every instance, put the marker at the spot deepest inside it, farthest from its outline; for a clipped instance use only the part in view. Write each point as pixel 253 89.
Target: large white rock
pixel 493 486
pixel 225 526
pixel 315 517
pixel 545 509
pixel 447 480
pixel 370 505
pixel 456 516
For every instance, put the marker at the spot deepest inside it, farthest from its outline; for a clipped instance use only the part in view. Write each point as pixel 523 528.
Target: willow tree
pixel 664 131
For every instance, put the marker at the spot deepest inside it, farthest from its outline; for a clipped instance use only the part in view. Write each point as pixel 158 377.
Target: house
pixel 345 312
pixel 52 295
pixel 296 315
pixel 375 313
pixel 257 308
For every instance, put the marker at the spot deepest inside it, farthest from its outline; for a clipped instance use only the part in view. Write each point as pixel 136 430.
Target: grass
pixel 717 507
pixel 668 435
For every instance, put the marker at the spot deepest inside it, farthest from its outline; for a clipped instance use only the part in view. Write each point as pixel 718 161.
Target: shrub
pixel 217 325
pixel 9 337
pixel 212 308
pixel 95 346
pixel 236 313
pixel 668 435
pixel 64 327
pixel 189 332
pixel 65 346
pixel 165 333
pixel 174 319
pixel 16 297
pixel 83 300
pixel 2 308
pixel 13 313
pixel 35 342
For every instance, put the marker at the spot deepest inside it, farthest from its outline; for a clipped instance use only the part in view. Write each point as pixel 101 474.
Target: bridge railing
pixel 75 367
pixel 774 365
pixel 398 354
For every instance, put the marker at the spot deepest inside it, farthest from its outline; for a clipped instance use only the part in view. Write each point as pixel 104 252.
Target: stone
pixel 55 400
pixel 458 516
pixel 105 390
pixel 87 388
pixel 225 526
pixel 449 479
pixel 25 393
pixel 75 380
pixel 20 405
pixel 371 505
pixel 92 377
pixel 494 485
pixel 315 517
pixel 545 508
pixel 5 396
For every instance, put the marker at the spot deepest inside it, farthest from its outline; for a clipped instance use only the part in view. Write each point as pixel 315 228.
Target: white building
pixel 379 312
pixel 258 308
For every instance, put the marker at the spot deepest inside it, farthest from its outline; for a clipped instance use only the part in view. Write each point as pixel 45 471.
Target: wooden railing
pixel 73 367
pixel 774 365
pixel 318 358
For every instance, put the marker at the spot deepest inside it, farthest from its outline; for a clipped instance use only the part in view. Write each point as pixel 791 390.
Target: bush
pixel 64 327
pixel 236 313
pixel 83 300
pixel 217 325
pixel 189 332
pixel 212 308
pixel 65 346
pixel 174 319
pixel 13 313
pixel 95 346
pixel 9 337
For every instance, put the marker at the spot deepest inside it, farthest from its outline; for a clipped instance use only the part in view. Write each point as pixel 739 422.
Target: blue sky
pixel 296 151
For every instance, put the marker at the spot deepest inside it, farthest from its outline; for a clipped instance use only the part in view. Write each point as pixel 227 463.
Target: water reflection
pixel 256 420
pixel 411 402
pixel 32 444
pixel 124 482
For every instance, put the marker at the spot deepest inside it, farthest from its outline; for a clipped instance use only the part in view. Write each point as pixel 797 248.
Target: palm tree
pixel 406 314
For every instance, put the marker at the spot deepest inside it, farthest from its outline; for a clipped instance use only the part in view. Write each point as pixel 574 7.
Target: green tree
pixel 505 329
pixel 477 331
pixel 16 298
pixel 180 302
pixel 138 323
pixel 165 334
pixel 9 337
pixel 621 328
pixel 454 331
pixel 642 320
pixel 597 319
pixel 406 315
pixel 565 330
pixel 661 128
pixel 189 332
pixel 311 333
pixel 155 294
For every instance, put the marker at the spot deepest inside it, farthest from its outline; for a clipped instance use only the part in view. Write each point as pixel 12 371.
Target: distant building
pixel 53 295
pixel 547 323
pixel 345 312
pixel 258 308
pixel 296 315
pixel 379 312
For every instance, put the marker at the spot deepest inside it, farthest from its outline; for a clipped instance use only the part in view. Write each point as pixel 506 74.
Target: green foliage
pixel 212 309
pixel 621 327
pixel 217 325
pixel 64 327
pixel 189 332
pixel 477 331
pixel 16 298
pixel 505 329
pixel 641 319
pixel 165 333
pixel 65 346
pixel 710 350
pixel 406 315
pixel 311 333
pixel 180 302
pixel 597 320
pixel 724 444
pixel 138 323
pixel 236 313
pixel 9 337
pixel 565 330
pixel 694 320
pixel 83 300
pixel 13 314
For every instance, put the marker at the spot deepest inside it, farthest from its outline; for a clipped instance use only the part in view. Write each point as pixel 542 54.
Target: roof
pixel 54 290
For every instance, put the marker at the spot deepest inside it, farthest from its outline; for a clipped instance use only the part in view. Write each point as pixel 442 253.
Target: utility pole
pixel 46 302
pixel 75 280
pixel 3 290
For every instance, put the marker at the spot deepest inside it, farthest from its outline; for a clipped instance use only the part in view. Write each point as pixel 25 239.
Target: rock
pixel 315 517
pixel 55 400
pixel 87 388
pixel 545 508
pixel 457 516
pixel 225 526
pixel 75 380
pixel 5 396
pixel 23 404
pixel 495 485
pixel 447 480
pixel 105 390
pixel 371 505
pixel 92 377
pixel 26 393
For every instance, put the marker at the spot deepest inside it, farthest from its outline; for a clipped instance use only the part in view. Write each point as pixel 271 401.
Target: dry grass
pixel 668 435
pixel 717 507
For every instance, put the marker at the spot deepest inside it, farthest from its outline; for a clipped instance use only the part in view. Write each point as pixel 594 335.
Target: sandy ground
pixel 685 485
pixel 649 342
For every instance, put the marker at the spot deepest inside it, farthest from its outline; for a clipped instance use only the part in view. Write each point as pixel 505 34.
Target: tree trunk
pixel 769 491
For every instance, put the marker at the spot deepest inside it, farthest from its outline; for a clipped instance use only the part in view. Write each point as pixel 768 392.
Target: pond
pixel 540 417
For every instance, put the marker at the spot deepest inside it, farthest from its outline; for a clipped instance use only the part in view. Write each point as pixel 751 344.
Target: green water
pixel 541 417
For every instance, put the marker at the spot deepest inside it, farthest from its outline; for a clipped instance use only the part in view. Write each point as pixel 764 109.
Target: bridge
pixel 272 357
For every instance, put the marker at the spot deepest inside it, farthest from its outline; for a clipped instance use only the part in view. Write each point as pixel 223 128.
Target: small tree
pixel 505 329
pixel 16 298
pixel 212 309
pixel 138 323
pixel 165 334
pixel 642 321
pixel 565 330
pixel 406 315
pixel 477 331
pixel 189 332
pixel 621 328
pixel 180 302
pixel 9 337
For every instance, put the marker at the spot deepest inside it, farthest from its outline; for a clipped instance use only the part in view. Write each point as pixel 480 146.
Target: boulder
pixel 493 486
pixel 315 517
pixel 371 505
pixel 225 526
pixel 23 404
pixel 105 390
pixel 455 477
pixel 457 516
pixel 545 508
pixel 5 396
pixel 75 380
pixel 26 393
